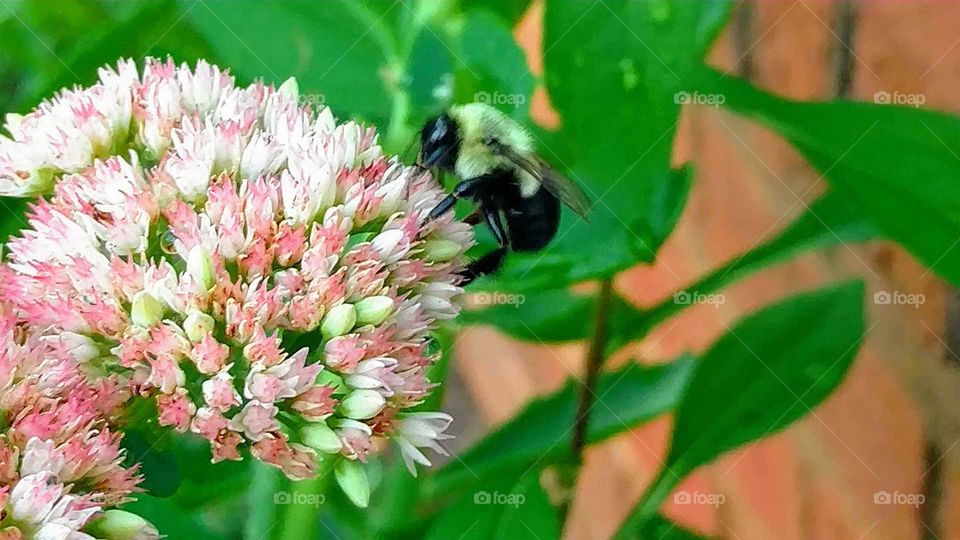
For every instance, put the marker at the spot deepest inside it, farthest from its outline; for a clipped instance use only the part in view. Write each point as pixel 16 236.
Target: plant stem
pixel 593 365
pixel 302 516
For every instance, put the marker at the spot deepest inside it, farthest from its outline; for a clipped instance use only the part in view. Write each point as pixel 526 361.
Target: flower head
pixel 246 262
pixel 60 464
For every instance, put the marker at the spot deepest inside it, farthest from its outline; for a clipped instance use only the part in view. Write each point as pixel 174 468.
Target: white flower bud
pixel 200 266
pixel 339 321
pixel 198 325
pixel 290 88
pixel 374 310
pixel 440 250
pixel 319 436
pixel 362 404
pixel 122 525
pixel 81 347
pixel 146 311
pixel 353 481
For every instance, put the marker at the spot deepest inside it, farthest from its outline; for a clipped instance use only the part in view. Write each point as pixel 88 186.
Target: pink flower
pixel 247 262
pixel 60 464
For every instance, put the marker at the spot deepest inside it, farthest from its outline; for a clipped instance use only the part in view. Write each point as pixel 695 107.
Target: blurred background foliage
pixel 613 71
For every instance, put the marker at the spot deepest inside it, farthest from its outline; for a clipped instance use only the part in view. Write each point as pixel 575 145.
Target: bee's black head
pixel 440 143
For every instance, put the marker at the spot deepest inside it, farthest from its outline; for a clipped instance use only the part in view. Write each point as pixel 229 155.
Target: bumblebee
pixel 517 193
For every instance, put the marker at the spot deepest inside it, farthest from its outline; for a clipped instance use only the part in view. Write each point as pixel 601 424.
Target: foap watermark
pixel 499 299
pixel 897 298
pixel 909 499
pixel 508 499
pixel 309 499
pixel 696 497
pixel 698 98
pixel 899 98
pixel 312 100
pixel 686 298
pixel 500 98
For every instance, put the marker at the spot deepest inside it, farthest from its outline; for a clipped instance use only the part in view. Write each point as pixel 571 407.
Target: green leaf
pixel 768 371
pixel 171 520
pixel 899 165
pixel 827 222
pixel 509 10
pixel 560 315
pixel 553 316
pixel 567 261
pixel 661 528
pixel 161 472
pixel 500 511
pixel 158 33
pixel 12 217
pixel 491 67
pixel 335 53
pixel 614 90
pixel 541 431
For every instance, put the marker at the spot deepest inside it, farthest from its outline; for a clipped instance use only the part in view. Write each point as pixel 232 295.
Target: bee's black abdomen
pixel 532 221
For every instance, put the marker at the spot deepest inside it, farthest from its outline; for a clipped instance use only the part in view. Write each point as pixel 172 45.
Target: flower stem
pixel 593 365
pixel 302 516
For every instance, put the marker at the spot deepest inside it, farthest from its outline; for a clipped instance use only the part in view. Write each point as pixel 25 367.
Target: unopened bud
pixel 319 436
pixel 353 481
pixel 362 404
pixel 198 325
pixel 290 88
pixel 200 266
pixel 374 310
pixel 440 250
pixel 146 310
pixel 339 321
pixel 122 525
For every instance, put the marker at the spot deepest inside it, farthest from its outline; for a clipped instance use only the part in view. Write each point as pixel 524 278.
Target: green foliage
pixel 503 509
pixel 898 165
pixel 626 398
pixel 612 71
pixel 768 371
pixel 619 117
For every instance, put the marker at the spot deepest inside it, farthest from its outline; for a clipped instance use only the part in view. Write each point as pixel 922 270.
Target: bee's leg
pixel 467 189
pixel 488 264
pixel 474 217
pixel 491 262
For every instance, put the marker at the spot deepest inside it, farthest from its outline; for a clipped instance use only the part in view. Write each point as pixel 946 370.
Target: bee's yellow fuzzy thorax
pixel 477 122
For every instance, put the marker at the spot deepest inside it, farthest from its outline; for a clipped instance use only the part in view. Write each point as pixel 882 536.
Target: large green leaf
pixel 768 371
pixel 491 68
pixel 560 315
pixel 615 92
pixel 336 53
pixel 900 165
pixel 540 433
pixel 518 509
pixel 829 221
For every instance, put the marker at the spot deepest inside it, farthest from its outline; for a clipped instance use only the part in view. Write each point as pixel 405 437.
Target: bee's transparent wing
pixel 563 188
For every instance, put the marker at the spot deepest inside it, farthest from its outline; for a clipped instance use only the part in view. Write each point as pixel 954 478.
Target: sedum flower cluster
pixel 60 463
pixel 256 273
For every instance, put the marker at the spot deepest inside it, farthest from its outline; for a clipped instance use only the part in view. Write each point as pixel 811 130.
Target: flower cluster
pixel 257 271
pixel 60 464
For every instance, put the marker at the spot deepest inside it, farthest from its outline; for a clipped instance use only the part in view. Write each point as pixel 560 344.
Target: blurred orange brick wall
pixel 818 479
